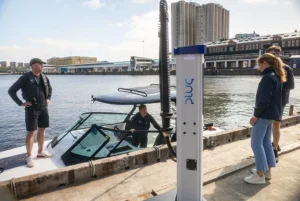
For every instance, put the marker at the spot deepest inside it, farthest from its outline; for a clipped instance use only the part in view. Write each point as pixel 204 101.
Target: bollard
pixel 291 110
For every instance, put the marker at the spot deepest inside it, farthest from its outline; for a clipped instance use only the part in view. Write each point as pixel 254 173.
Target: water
pixel 229 101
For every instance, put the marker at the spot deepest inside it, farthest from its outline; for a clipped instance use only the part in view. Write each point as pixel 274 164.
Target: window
pixel 230 49
pixel 297 42
pixel 89 145
pixel 289 43
pixel 92 141
pixel 283 43
pixel 237 48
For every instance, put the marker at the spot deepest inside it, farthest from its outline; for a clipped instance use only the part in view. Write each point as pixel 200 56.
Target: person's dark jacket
pixel 288 85
pixel 32 91
pixel 140 123
pixel 268 104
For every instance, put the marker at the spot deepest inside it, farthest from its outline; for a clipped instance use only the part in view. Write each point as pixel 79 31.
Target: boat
pixel 94 135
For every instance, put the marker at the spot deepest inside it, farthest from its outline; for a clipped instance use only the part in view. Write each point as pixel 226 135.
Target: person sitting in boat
pixel 141 122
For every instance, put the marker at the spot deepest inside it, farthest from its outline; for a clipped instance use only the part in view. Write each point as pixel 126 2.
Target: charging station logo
pixel 188 94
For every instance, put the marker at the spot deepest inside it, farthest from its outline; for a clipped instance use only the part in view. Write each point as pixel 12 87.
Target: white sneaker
pixel 30 162
pixel 44 154
pixel 268 174
pixel 255 179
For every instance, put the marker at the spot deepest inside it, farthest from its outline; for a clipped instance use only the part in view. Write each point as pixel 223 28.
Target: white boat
pixel 94 135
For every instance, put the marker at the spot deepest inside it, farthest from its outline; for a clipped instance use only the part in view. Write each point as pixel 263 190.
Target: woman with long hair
pixel 267 109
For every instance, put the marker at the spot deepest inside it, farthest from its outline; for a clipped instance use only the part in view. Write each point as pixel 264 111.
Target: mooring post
pixel 291 112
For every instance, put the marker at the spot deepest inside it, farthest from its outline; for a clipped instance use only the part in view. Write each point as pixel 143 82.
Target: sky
pixel 113 30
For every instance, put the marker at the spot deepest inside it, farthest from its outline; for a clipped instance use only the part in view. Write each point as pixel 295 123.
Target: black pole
pixel 164 71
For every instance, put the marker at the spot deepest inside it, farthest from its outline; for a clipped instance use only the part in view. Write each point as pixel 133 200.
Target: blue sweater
pixel 268 104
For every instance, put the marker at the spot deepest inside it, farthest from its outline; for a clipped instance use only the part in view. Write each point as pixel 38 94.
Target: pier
pixel 149 172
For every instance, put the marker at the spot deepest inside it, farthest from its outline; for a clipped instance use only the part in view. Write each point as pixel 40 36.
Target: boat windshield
pixel 99 142
pixel 86 120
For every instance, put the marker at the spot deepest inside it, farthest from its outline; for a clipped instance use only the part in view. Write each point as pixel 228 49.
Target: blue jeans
pixel 262 146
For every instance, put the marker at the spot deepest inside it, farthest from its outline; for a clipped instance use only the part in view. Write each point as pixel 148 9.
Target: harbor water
pixel 228 101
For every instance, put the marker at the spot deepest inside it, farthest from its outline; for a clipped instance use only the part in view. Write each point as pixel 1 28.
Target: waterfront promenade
pixel 224 169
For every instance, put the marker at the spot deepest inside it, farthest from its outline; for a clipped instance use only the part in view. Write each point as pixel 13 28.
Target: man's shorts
pixel 36 118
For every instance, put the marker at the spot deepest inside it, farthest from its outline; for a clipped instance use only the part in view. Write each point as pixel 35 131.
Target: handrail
pixel 133 91
pixel 158 85
pixel 124 131
pixel 103 113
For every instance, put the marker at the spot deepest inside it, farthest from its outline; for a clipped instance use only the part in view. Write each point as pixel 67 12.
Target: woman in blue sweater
pixel 267 109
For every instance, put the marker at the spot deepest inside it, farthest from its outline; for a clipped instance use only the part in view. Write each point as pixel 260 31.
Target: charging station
pixel 189 128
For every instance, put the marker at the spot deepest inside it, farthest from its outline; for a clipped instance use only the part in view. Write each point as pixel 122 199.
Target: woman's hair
pixel 276 64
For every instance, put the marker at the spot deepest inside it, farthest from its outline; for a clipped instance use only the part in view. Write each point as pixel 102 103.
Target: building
pixel 295 61
pixel 247 35
pixel 26 65
pixel 3 64
pixel 135 63
pixel 20 65
pixel 242 52
pixel 194 24
pixel 13 64
pixel 232 53
pixel 72 60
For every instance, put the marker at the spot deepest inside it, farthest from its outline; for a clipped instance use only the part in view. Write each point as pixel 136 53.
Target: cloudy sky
pixel 113 30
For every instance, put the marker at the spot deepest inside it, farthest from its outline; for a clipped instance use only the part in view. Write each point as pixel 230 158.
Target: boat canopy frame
pixel 134 96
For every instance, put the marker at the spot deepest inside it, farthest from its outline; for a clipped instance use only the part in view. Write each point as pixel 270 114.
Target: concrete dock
pixel 225 167
pixel 284 186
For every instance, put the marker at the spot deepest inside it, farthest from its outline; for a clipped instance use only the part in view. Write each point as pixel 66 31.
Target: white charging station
pixel 189 95
pixel 189 126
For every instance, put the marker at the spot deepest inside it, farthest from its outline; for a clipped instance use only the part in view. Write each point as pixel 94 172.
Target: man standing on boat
pixel 141 121
pixel 36 91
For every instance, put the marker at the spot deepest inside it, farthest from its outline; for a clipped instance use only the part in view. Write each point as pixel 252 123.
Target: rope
pixel 157 152
pixel 13 187
pixel 93 172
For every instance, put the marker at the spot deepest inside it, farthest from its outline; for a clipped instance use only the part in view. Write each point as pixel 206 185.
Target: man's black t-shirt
pixel 33 90
pixel 40 103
